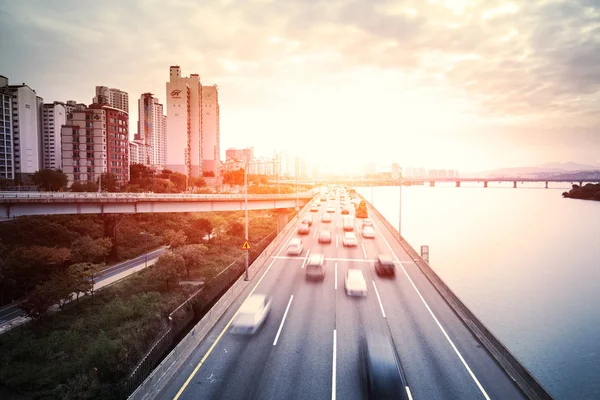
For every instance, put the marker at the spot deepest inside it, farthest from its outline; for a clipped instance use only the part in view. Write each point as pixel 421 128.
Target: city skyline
pixel 472 86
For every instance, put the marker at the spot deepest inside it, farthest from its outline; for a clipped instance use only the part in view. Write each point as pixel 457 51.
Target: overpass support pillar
pixel 546 184
pixel 283 217
pixel 485 184
pixel 457 183
pixel 580 184
pixel 111 221
pixel 431 183
pixel 515 184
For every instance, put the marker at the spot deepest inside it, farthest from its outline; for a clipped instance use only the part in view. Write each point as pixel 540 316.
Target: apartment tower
pixel 211 141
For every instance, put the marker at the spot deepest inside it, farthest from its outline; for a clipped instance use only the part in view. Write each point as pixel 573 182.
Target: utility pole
pixel 246 278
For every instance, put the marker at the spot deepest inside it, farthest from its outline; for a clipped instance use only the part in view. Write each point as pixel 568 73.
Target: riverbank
pixel 589 191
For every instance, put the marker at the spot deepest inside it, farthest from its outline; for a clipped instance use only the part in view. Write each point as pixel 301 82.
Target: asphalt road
pixel 292 356
pixel 9 313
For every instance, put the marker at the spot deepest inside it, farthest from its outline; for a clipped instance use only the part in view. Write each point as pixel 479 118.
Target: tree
pixel 264 180
pixel 60 288
pixel 39 301
pixel 50 180
pixel 193 255
pixel 208 174
pixel 165 173
pixel 175 239
pixel 82 277
pixel 179 180
pixel 236 229
pixel 108 182
pixel 140 174
pixel 77 187
pixel 198 182
pixel 168 268
pixel 202 227
pixel 234 177
pixel 86 249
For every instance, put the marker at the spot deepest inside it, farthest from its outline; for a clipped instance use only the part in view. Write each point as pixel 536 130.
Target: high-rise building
pixel 7 170
pixel 54 116
pixel 184 123
pixel 211 140
pixel 245 155
pixel 117 142
pixel 152 132
pixel 136 154
pixel 114 97
pixel 72 105
pixel 26 128
pixel 395 171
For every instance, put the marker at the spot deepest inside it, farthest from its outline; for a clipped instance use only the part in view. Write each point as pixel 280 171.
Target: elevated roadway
pixel 308 346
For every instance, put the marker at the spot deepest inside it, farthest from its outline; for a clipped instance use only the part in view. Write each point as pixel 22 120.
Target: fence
pixel 189 312
pixel 518 373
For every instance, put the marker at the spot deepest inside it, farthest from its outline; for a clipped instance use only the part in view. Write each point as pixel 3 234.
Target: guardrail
pixel 528 384
pixel 164 372
pixel 150 196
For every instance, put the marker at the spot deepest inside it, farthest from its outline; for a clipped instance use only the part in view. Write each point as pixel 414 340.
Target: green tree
pixel 198 182
pixel 50 180
pixel 202 227
pixel 179 180
pixel 140 174
pixel 82 277
pixel 77 187
pixel 175 239
pixel 39 301
pixel 208 174
pixel 86 249
pixel 60 288
pixel 193 255
pixel 236 229
pixel 168 268
pixel 108 182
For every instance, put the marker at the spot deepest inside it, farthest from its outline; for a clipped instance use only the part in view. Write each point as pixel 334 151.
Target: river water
pixel 525 261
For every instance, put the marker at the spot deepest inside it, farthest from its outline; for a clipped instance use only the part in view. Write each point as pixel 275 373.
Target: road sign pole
pixel 246 278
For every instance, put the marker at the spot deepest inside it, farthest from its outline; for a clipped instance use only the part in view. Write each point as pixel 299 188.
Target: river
pixel 525 261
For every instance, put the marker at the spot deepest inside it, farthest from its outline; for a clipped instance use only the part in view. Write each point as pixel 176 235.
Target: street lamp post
pixel 400 208
pixel 246 278
pixel 145 235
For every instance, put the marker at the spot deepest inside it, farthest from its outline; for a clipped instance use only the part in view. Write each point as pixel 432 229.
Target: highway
pixel 10 313
pixel 308 346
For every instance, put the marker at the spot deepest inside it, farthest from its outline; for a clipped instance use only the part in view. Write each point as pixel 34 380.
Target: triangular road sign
pixel 246 246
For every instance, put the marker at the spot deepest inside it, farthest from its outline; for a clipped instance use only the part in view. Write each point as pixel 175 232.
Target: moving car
pixel 303 229
pixel 330 209
pixel 314 208
pixel 324 237
pixel 348 224
pixel 325 218
pixel 368 232
pixel 367 222
pixel 252 314
pixel 350 239
pixel 381 370
pixel 315 267
pixel 355 283
pixel 384 265
pixel 345 210
pixel 295 247
pixel 307 220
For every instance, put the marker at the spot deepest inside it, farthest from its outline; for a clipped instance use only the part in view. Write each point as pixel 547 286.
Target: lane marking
pixel 408 393
pixel 337 244
pixel 315 233
pixel 378 298
pixel 360 260
pixel 333 372
pixel 283 320
pixel 364 251
pixel 435 318
pixel 335 284
pixel 212 347
pixel 305 258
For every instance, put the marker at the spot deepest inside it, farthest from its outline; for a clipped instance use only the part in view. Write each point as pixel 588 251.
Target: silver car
pixel 355 283
pixel 252 314
pixel 295 247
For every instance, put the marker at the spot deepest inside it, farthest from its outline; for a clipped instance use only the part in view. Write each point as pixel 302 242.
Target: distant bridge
pixel 16 204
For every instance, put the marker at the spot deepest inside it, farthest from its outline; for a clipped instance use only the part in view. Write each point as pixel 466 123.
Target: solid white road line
pixel 335 284
pixel 364 251
pixel 212 347
pixel 408 393
pixel 283 320
pixel 337 243
pixel 379 298
pixel 436 320
pixel 315 233
pixel 305 258
pixel 333 373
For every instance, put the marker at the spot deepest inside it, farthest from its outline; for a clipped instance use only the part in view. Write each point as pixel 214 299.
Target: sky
pixel 468 85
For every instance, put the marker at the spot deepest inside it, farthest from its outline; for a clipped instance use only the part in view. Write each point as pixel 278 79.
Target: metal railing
pixel 150 196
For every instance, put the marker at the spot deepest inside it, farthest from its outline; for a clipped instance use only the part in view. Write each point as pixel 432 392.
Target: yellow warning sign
pixel 246 246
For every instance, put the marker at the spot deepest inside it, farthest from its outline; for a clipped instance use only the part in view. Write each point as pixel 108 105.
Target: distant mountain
pixel 540 171
pixel 569 166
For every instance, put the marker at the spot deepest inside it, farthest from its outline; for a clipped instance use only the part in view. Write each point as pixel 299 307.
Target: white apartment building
pixel 83 142
pixel 211 140
pixel 26 128
pixel 152 131
pixel 114 97
pixel 7 170
pixel 184 123
pixel 54 116
pixel 137 152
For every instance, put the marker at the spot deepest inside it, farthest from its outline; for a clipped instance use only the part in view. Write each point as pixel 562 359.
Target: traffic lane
pixel 355 317
pixel 300 364
pixel 483 369
pixel 10 313
pixel 117 269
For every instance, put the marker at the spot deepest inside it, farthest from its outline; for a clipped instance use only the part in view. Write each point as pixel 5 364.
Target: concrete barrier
pixel 165 371
pixel 515 370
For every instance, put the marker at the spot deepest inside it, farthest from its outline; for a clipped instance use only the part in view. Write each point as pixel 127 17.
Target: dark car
pixel 381 371
pixel 384 265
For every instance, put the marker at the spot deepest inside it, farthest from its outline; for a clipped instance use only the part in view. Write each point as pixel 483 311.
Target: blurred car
pixel 348 224
pixel 381 370
pixel 314 208
pixel 315 267
pixel 350 239
pixel 325 218
pixel 355 283
pixel 307 220
pixel 295 247
pixel 330 209
pixel 252 314
pixel 324 237
pixel 367 222
pixel 384 265
pixel 323 198
pixel 303 229
pixel 368 232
